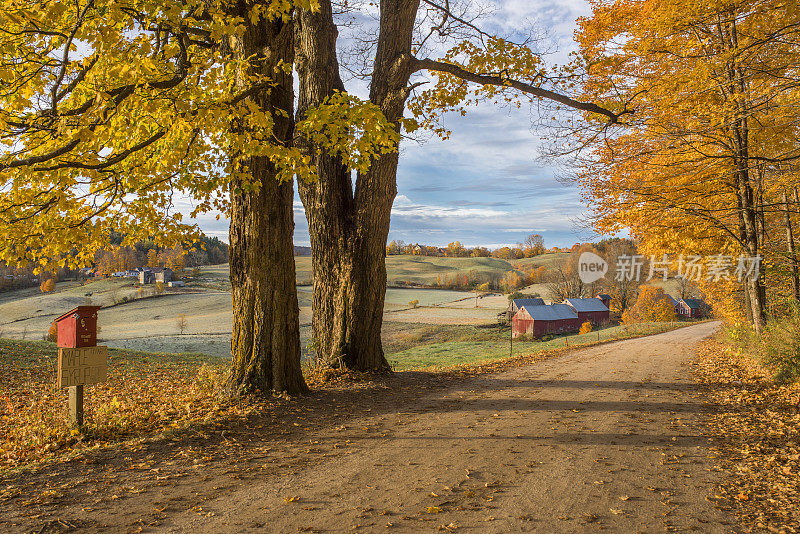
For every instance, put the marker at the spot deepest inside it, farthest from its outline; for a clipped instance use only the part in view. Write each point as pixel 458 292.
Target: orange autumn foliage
pixel 652 305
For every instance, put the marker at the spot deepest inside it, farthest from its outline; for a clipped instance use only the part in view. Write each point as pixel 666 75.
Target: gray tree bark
pixel 266 330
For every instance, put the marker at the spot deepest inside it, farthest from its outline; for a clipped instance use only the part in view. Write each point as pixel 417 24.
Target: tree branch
pixel 491 79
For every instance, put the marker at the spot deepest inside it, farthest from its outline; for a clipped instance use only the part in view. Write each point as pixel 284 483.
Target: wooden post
pixel 76 405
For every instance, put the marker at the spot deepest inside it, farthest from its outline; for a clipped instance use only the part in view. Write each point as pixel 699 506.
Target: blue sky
pixel 487 184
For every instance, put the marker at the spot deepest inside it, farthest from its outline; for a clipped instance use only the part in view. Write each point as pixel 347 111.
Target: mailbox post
pixel 80 360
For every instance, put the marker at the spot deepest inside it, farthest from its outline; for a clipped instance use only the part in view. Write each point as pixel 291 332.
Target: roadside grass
pixel 756 433
pixel 145 393
pixel 472 345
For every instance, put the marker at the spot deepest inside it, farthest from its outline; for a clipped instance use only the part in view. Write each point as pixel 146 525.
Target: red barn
pixel 606 298
pixel 693 308
pixel 592 310
pixel 537 321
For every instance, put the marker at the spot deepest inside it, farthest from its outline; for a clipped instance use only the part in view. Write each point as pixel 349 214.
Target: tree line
pixel 116 257
pixel 708 164
pixel 533 246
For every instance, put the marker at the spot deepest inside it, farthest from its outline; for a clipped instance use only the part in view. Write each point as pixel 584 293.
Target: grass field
pixel 482 345
pixel 151 323
pixel 425 269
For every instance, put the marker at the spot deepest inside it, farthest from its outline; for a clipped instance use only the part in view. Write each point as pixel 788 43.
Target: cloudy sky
pixel 487 184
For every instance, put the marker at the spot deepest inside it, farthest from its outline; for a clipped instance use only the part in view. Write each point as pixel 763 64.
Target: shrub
pixel 780 346
pixel 585 328
pixel 47 286
pixel 652 305
pixel 160 287
pixel 52 332
pixel 413 303
pixel 520 295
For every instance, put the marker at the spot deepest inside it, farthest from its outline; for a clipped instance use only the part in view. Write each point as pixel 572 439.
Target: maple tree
pixel 349 223
pixel 700 166
pixel 111 108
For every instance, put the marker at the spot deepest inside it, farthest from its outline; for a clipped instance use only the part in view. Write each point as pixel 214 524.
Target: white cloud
pixel 485 185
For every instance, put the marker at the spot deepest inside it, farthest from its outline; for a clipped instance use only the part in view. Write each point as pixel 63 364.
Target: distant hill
pixel 302 251
pixel 404 269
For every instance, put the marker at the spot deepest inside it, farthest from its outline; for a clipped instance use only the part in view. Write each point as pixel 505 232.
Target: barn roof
pixel 521 303
pixel 695 304
pixel 587 305
pixel 550 312
pixel 604 296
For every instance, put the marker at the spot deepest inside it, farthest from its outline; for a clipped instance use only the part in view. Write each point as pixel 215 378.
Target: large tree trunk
pixel 754 285
pixel 328 201
pixel 266 328
pixel 349 229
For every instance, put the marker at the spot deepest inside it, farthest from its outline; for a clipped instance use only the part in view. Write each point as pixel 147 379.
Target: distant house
pixel 592 310
pixel 692 308
pixel 159 274
pixel 675 303
pixel 146 276
pixel 606 298
pixel 539 320
pixel 163 274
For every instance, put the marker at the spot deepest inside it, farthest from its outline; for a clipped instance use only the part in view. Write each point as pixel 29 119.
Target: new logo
pixel 591 267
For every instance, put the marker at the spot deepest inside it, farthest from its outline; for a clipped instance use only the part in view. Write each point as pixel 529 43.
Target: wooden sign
pixel 82 366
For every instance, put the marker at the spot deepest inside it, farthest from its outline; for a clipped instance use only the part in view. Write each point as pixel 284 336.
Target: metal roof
pixel 694 303
pixel 550 312
pixel 587 305
pixel 604 296
pixel 536 301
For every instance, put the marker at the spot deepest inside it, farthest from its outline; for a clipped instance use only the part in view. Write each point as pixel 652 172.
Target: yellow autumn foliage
pixel 652 305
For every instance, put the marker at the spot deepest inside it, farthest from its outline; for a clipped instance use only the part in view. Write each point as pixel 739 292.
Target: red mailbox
pixel 78 327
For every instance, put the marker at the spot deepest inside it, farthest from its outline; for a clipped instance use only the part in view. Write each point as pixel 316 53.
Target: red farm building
pixel 692 308
pixel 516 304
pixel 539 320
pixel 592 310
pixel 606 298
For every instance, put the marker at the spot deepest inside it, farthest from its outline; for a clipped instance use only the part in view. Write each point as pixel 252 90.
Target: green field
pixel 481 345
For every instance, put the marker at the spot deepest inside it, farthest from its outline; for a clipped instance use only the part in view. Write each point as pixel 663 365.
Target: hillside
pixel 425 269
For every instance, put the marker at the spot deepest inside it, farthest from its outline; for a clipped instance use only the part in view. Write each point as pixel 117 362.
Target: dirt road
pixel 601 438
